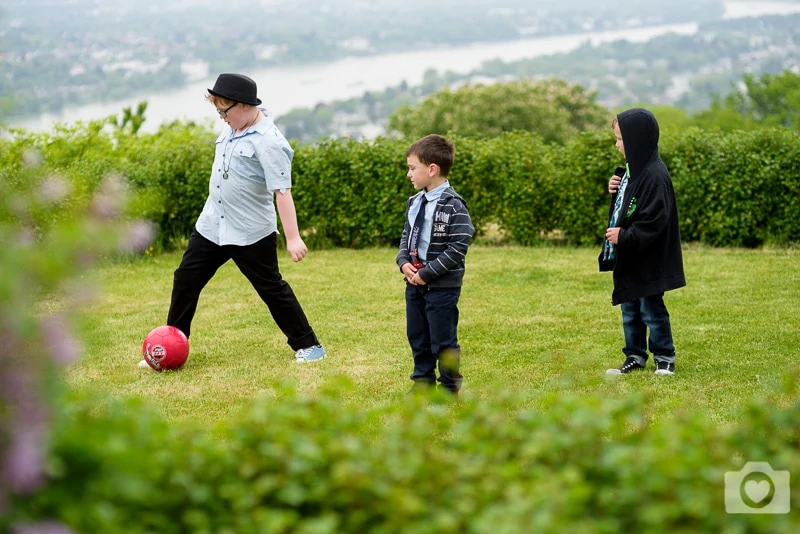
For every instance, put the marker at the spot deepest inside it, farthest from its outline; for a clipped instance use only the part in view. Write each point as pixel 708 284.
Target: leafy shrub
pixel 738 189
pixel 51 231
pixel 351 193
pixel 304 464
pixel 733 189
pixel 553 109
pixel 508 180
pixel 171 168
pixel 584 166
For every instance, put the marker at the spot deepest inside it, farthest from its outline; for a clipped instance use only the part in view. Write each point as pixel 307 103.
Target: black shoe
pixel 664 368
pixel 631 364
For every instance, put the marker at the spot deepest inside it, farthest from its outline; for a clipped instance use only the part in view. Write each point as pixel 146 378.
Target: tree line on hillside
pixel 557 110
pixel 81 52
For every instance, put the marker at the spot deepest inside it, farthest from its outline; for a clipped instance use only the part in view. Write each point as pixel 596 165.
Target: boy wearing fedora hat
pixel 251 175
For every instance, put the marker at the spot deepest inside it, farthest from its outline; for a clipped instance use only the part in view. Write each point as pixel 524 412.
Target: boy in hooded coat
pixel 642 243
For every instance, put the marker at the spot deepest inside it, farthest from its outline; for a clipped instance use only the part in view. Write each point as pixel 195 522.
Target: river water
pixel 284 88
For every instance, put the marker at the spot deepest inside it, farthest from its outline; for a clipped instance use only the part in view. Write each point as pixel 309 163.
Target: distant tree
pixel 431 82
pixel 770 100
pixel 552 108
pixel 131 121
pixel 668 116
pixel 721 117
pixel 368 100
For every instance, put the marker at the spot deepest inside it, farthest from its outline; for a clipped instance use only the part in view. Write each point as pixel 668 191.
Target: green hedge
pixel 734 189
pixel 317 465
pixel 354 194
pixel 168 170
pixel 584 166
pixel 740 189
pixel 172 169
pixel 350 193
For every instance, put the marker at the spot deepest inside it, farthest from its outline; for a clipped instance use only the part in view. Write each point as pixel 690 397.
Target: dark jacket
pixel 451 233
pixel 648 253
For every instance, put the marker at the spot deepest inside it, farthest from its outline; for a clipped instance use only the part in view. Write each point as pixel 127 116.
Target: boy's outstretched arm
pixel 294 243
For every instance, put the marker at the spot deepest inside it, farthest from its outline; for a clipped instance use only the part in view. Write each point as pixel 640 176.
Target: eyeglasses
pixel 224 112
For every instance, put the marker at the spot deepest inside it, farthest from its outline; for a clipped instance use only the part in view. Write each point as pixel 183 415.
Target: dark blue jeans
pixel 639 315
pixel 432 328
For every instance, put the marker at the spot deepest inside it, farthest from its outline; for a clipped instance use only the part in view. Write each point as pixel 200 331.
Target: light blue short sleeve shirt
pixel 248 168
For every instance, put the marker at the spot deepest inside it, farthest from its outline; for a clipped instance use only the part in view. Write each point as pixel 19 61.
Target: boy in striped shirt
pixel 433 247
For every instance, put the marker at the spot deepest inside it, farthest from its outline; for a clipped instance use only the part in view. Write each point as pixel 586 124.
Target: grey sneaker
pixel 630 365
pixel 314 353
pixel 664 368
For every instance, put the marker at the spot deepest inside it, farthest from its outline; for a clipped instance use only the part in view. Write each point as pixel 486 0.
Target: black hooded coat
pixel 648 252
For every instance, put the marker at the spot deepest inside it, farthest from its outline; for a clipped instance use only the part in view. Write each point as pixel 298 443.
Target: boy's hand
pixel 612 234
pixel 417 280
pixel 408 271
pixel 297 248
pixel 613 184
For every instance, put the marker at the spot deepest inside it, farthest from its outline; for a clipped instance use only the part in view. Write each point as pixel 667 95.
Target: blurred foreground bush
pixel 423 466
pixel 52 229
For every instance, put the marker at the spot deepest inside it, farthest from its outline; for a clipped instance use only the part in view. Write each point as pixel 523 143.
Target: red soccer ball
pixel 165 347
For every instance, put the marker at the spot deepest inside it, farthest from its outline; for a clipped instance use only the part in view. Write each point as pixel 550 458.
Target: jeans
pixel 432 329
pixel 639 315
pixel 259 263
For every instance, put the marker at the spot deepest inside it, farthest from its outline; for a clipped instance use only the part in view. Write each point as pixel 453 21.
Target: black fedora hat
pixel 236 87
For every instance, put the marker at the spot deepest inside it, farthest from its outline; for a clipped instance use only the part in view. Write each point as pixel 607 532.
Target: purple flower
pixel 110 197
pixel 25 238
pixel 21 463
pixel 47 527
pixel 53 190
pixel 58 340
pixel 32 158
pixel 82 294
pixel 138 237
pixel 24 458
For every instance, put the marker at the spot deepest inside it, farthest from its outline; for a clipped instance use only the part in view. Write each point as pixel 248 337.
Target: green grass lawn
pixel 537 321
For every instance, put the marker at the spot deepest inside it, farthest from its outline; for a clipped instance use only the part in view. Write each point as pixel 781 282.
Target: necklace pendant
pixel 225 175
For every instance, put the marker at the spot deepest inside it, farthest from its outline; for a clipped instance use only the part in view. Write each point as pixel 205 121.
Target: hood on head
pixel 640 132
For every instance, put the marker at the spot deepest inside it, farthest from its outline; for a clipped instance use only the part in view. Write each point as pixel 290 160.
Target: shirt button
pixel 222 217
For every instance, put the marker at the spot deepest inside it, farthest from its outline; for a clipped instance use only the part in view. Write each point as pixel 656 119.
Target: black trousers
pixel 259 263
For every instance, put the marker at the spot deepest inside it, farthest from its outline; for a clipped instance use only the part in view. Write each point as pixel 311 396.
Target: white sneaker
pixel 143 363
pixel 664 368
pixel 631 364
pixel 313 353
